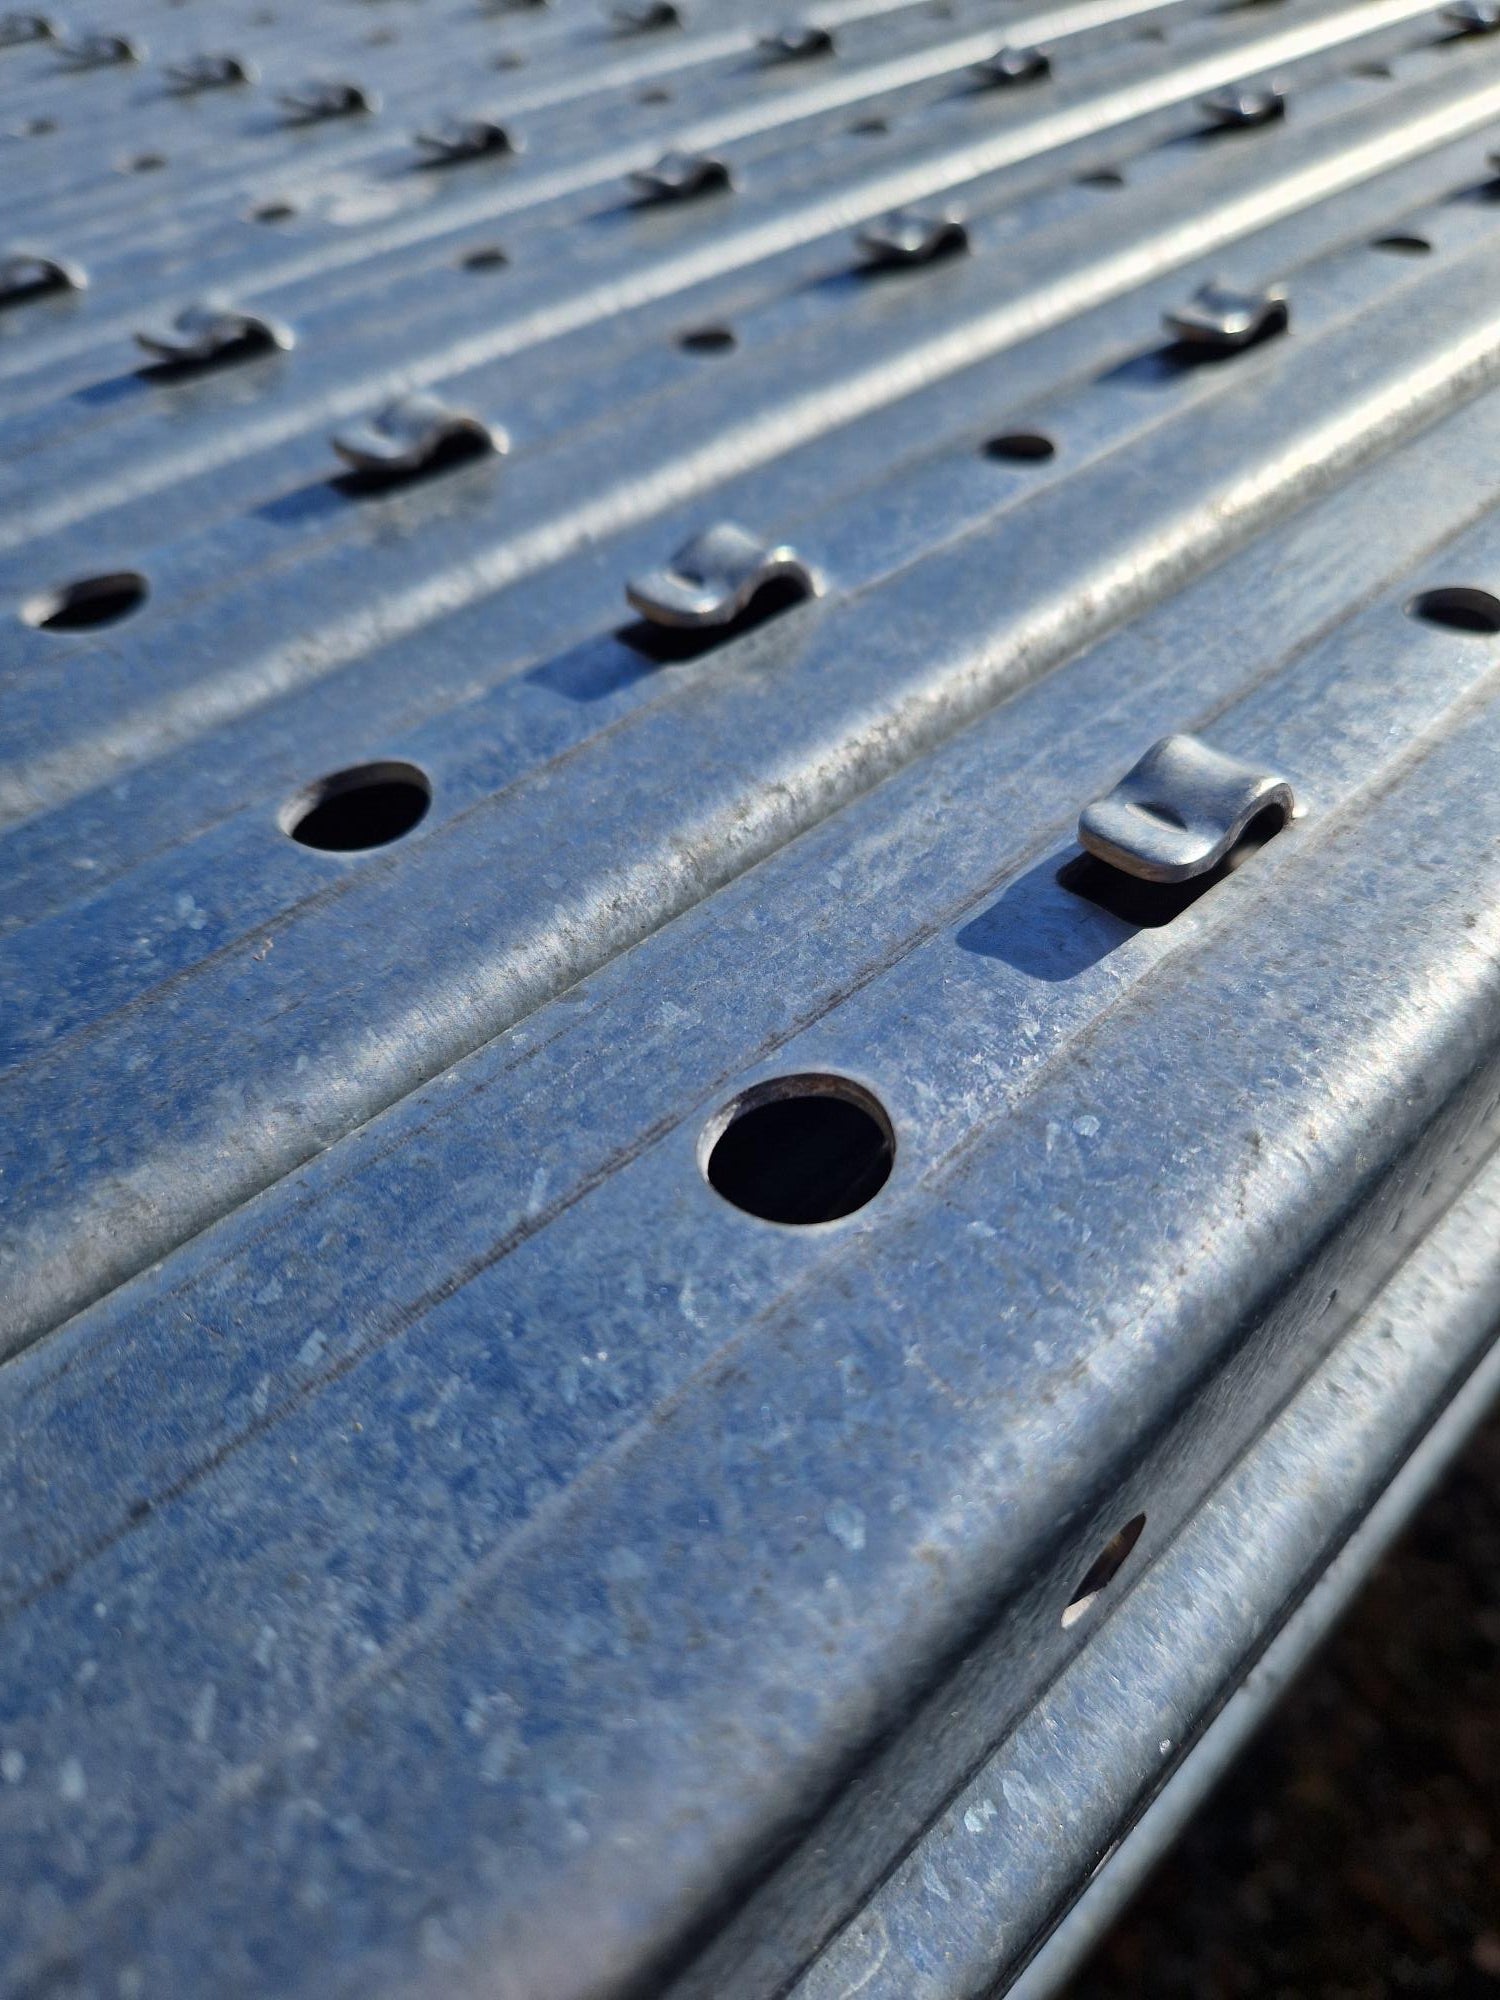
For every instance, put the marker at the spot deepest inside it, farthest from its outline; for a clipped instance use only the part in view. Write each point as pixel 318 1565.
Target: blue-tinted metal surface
pixel 492 1503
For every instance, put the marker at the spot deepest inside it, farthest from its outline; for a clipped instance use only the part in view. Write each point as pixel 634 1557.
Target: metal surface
pixel 655 1343
pixel 717 576
pixel 1179 811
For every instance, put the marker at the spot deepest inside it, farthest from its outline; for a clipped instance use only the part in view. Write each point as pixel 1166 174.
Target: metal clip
pixel 18 28
pixel 712 579
pixel 1239 108
pixel 329 98
pixel 1180 810
pixel 99 51
pixel 682 177
pixel 452 140
pixel 26 274
pixel 798 42
pixel 1219 320
pixel 910 236
pixel 644 17
pixel 214 329
pixel 1472 17
pixel 210 72
pixel 410 434
pixel 1014 65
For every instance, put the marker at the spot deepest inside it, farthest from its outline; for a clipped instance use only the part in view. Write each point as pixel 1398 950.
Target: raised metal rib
pixel 683 177
pixel 213 329
pixel 1222 319
pixel 1180 810
pixel 26 274
pixel 913 236
pixel 212 71
pixel 413 432
pixel 455 139
pixel 332 97
pixel 713 578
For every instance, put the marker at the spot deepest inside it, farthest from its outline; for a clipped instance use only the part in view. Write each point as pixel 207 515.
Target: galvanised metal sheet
pixel 654 1342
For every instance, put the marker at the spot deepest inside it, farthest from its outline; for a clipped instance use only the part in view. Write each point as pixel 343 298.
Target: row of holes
pixel 91 601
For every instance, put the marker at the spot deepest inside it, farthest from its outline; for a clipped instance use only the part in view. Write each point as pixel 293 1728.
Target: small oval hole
pixel 1020 447
pixel 143 163
pixel 86 602
pixel 1103 1570
pixel 1102 177
pixel 488 257
pixel 273 211
pixel 1402 244
pixel 368 805
pixel 800 1150
pixel 1457 607
pixel 870 128
pixel 656 93
pixel 707 340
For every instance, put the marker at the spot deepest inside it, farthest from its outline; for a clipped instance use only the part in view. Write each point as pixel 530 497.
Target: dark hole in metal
pixel 489 257
pixel 1402 244
pixel 1103 1570
pixel 1458 607
pixel 1102 177
pixel 1148 905
pixel 870 128
pixel 708 340
pixel 669 644
pixel 369 805
pixel 88 601
pixel 273 211
pixel 801 1150
pixel 1020 447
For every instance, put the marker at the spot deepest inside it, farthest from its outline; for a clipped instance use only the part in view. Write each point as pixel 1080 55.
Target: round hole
pixel 86 602
pixel 707 340
pixel 273 211
pixel 1020 447
pixel 369 805
pixel 1103 1570
pixel 489 257
pixel 800 1150
pixel 1458 607
pixel 1403 245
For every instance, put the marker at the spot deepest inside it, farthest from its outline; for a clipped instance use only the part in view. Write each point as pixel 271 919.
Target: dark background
pixel 1354 1850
